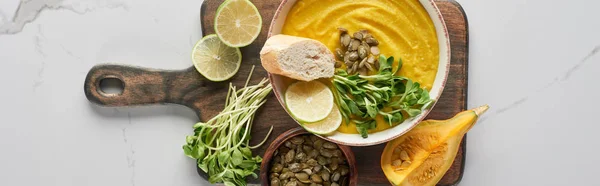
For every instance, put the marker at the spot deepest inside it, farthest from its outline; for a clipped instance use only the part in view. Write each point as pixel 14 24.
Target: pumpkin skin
pixel 428 150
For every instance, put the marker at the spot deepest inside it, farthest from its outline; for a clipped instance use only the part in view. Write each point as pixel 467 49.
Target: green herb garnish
pixel 221 145
pixel 362 98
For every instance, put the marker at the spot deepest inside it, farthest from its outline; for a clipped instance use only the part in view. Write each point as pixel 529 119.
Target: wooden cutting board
pixel 187 87
pixel 453 100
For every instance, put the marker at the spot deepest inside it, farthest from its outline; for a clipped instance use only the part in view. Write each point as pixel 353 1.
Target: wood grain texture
pixel 187 87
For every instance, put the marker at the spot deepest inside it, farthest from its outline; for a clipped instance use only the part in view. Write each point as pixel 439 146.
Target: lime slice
pixel 309 101
pixel 237 22
pixel 327 125
pixel 215 60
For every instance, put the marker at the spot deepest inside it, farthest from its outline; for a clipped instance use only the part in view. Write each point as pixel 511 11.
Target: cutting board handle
pixel 142 86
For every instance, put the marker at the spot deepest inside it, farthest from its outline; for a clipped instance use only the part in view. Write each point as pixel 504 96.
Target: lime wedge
pixel 215 60
pixel 237 22
pixel 309 101
pixel 327 125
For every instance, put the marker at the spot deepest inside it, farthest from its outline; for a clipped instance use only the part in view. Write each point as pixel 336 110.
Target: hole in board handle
pixel 111 86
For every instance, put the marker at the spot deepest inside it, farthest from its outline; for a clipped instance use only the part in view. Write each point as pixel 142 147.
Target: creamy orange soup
pixel 402 27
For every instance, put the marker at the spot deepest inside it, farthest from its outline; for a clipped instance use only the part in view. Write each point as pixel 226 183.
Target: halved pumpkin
pixel 422 156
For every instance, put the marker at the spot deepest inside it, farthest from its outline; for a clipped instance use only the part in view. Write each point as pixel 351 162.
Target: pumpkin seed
pixel 274 175
pixel 337 64
pixel 369 66
pixel 307 148
pixel 316 178
pixel 317 168
pixel 289 157
pixel 322 160
pixel 353 56
pixel 329 145
pixel 345 40
pixel 375 50
pixel 326 183
pixel 334 184
pixel 302 177
pixel 307 171
pixel 277 168
pixel 337 153
pixel 298 148
pixel 288 144
pixel 297 140
pixel 318 143
pixel 325 175
pixel 362 52
pixel 397 162
pixel 364 43
pixel 354 45
pixel 358 35
pixel 362 63
pixel 404 156
pixel 372 41
pixel 300 183
pixel 275 182
pixel 301 156
pixel 367 35
pixel 292 183
pixel 286 175
pixel 371 60
pixel 334 166
pixel 355 67
pixel 304 166
pixel 342 30
pixel 335 176
pixel 344 170
pixel 326 152
pixel 339 54
pixel 334 160
pixel 405 164
pixel 295 167
pixel 350 71
pixel 313 153
pixel 312 162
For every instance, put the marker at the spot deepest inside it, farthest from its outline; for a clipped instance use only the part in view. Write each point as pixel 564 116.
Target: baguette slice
pixel 298 58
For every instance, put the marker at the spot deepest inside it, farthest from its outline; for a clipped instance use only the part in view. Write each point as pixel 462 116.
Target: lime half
pixel 309 101
pixel 237 22
pixel 327 125
pixel 215 60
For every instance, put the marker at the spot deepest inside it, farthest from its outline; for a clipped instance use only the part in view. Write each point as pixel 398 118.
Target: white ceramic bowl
pixel 396 131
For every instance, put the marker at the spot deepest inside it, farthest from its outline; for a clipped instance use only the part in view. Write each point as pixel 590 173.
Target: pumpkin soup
pixel 403 28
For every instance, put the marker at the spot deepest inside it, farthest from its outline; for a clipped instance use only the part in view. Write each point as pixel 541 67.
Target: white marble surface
pixel 535 62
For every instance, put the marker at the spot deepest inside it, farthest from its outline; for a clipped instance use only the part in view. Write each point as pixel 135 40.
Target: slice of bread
pixel 298 58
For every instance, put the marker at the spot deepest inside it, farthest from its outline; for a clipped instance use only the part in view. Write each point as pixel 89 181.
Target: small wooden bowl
pixel 266 163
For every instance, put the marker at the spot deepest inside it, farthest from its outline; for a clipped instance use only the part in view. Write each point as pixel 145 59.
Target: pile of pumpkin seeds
pixel 360 52
pixel 307 160
pixel 403 161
